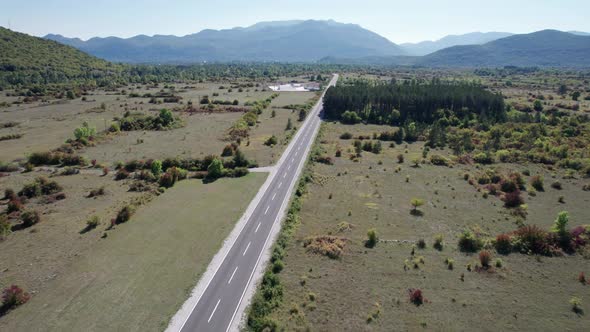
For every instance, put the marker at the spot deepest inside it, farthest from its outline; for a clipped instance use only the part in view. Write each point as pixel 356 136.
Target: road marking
pixel 265 211
pixel 280 184
pixel 248 246
pixel 296 154
pixel 292 159
pixel 213 311
pixel 299 148
pixel 232 275
pixel 257 227
pixel 288 168
pixel 273 197
pixel 284 175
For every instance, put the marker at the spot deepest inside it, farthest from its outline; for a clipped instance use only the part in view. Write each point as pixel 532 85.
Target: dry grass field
pixel 367 288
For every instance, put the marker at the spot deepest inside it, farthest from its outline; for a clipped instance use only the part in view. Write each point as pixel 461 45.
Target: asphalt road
pixel 217 307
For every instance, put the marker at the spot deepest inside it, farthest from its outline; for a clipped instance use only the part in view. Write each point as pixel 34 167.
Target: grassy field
pixel 367 288
pixel 137 277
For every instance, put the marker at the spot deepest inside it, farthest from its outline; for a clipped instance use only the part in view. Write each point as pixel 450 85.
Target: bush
pixel 416 296
pixel 5 227
pixel 156 168
pixel 125 214
pixel 121 174
pixel 537 183
pixel 416 203
pixel 346 135
pixel 372 238
pixel 14 296
pixel 30 218
pixel 93 222
pixel 215 169
pixel 483 158
pixel 532 239
pixel 439 160
pixel 485 257
pixel 556 185
pixel 41 186
pixel 512 199
pixel 228 151
pixel 271 141
pixel 469 242
pixel 330 246
pixel 96 192
pixel 14 205
pixel 438 242
pixel 503 244
pixel 421 244
pixel 576 304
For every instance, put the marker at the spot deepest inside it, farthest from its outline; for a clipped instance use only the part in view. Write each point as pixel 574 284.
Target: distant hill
pixel 284 41
pixel 474 38
pixel 26 59
pixel 547 48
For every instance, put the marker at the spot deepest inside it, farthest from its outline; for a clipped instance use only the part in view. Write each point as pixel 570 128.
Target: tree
pixel 70 94
pixel 84 132
pixel 289 124
pixel 156 168
pixel 240 159
pixel 271 141
pixel 562 89
pixel 215 169
pixel 350 117
pixel 575 95
pixel 416 203
pixel 372 238
pixel 538 105
pixel 166 117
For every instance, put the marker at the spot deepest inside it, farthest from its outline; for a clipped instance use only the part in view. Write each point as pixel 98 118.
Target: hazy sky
pixel 399 21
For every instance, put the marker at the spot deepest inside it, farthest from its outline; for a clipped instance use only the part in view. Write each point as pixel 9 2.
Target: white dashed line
pixel 273 197
pixel 232 276
pixel 265 211
pixel 280 184
pixel 248 246
pixel 284 175
pixel 213 311
pixel 256 230
pixel 288 168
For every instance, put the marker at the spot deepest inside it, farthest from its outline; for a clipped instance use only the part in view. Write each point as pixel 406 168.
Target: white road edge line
pixel 213 311
pixel 232 275
pixel 248 246
pixel 257 227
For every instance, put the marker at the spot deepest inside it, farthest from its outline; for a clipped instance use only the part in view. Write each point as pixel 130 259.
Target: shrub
pixel 537 183
pixel 556 185
pixel 121 174
pixel 512 199
pixel 273 140
pixel 350 117
pixel 582 278
pixel 228 151
pixel 125 214
pixel 576 304
pixel 93 222
pixel 156 168
pixel 421 244
pixel 96 192
pixel 330 246
pixel 483 158
pixel 278 266
pixel 372 238
pixel 503 244
pixel 532 239
pixel 14 296
pixel 30 218
pixel 346 135
pixel 439 160
pixel 5 227
pixel 469 242
pixel 416 203
pixel 416 296
pixel 400 158
pixel 438 242
pixel 485 257
pixel 499 263
pixel 14 205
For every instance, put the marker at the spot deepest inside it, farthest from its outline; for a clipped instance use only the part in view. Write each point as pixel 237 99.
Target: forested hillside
pixel 26 60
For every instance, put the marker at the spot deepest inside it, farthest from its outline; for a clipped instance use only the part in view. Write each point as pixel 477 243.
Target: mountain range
pixel 285 41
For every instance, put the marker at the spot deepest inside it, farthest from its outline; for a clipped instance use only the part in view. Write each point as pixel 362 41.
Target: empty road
pixel 218 305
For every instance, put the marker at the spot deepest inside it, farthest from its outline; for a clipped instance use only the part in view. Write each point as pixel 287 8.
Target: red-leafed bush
pixel 14 296
pixel 416 296
pixel 512 199
pixel 580 236
pixel 533 239
pixel 485 257
pixel 503 244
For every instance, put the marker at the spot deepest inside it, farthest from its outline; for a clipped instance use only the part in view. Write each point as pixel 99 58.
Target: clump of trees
pixel 139 121
pixel 390 103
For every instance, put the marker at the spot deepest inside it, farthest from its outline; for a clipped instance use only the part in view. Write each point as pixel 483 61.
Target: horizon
pixel 85 21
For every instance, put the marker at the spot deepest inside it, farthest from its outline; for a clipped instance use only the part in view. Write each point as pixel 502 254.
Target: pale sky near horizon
pixel 398 21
